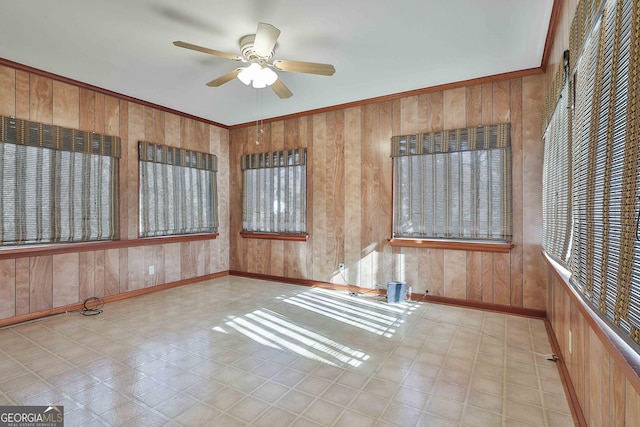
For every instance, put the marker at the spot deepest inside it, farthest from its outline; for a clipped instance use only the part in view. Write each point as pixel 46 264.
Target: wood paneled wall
pixel 607 391
pixel 349 196
pixel 32 284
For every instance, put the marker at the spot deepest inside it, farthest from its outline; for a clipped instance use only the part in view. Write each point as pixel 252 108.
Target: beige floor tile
pixel 173 358
pixel 323 412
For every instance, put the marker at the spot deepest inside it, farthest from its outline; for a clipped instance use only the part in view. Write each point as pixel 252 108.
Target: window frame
pixel 178 158
pixel 72 144
pixel 277 160
pixel 412 145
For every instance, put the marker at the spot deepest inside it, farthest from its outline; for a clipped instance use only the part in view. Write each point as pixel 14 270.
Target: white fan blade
pixel 265 41
pixel 281 89
pixel 207 50
pixel 305 67
pixel 225 78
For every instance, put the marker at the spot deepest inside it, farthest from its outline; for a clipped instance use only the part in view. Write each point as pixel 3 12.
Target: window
pixel 556 176
pixel 453 184
pixel 178 191
pixel 604 137
pixel 56 184
pixel 274 192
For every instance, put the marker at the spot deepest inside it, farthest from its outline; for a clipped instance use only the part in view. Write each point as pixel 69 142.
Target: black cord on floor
pixel 92 306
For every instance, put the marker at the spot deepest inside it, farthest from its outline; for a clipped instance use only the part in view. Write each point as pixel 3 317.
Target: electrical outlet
pixel 426 292
pixel 152 270
pixel 341 267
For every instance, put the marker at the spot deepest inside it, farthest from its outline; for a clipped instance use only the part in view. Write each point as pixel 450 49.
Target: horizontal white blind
pixel 453 184
pixel 606 261
pixel 178 191
pixel 274 192
pixel 56 184
pixel 556 182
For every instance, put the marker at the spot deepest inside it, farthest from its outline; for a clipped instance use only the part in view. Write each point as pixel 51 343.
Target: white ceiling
pixel 377 47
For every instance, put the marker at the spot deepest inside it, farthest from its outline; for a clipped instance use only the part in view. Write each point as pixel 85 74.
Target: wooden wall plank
pixel 100 118
pixel 172 262
pixel 158 264
pixel 474 276
pixel 114 119
pixel 124 186
pixel 516 185
pixel 8 91
pixel 136 268
pixel 534 283
pixel 22 95
pixel 148 261
pixel 435 111
pixel 123 263
pixel 136 129
pixel 66 279
pixel 66 105
pixel 99 277
pixel 455 278
pixel 487 103
pixel 336 199
pixel 40 283
pixel 40 99
pixel 501 101
pixel 617 386
pixel 385 191
pixel 473 98
pixel 632 406
pixel 319 195
pixel 7 288
pixel 23 291
pixel 353 186
pixel 501 279
pixel 87 275
pixel 487 277
pixel 436 272
pixel 87 111
pixel 455 108
pixel 367 254
pixel 111 272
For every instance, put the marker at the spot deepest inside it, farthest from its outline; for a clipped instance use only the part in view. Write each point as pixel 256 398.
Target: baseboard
pixel 107 299
pixel 519 311
pixel 567 384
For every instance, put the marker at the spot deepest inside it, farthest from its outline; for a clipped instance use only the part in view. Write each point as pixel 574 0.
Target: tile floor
pixel 235 352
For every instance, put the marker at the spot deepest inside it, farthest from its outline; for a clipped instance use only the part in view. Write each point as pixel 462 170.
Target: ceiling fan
pixel 258 49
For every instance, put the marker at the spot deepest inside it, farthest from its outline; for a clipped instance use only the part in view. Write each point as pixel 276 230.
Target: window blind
pixel 605 255
pixel 274 192
pixel 178 191
pixel 57 184
pixel 556 181
pixel 454 184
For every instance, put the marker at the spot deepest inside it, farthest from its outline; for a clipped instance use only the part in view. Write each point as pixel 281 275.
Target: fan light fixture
pixel 257 74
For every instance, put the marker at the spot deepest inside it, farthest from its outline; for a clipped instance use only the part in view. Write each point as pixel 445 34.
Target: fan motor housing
pixel 246 47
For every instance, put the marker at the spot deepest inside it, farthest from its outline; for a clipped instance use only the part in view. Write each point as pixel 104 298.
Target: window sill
pixel 275 236
pixel 499 247
pixel 66 248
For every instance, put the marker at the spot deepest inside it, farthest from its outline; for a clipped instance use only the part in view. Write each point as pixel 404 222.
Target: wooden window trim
pixel 275 236
pixel 460 245
pixel 57 249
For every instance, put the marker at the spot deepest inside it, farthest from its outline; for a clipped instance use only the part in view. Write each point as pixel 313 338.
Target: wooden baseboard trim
pixel 567 384
pixel 519 311
pixel 485 306
pixel 107 299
